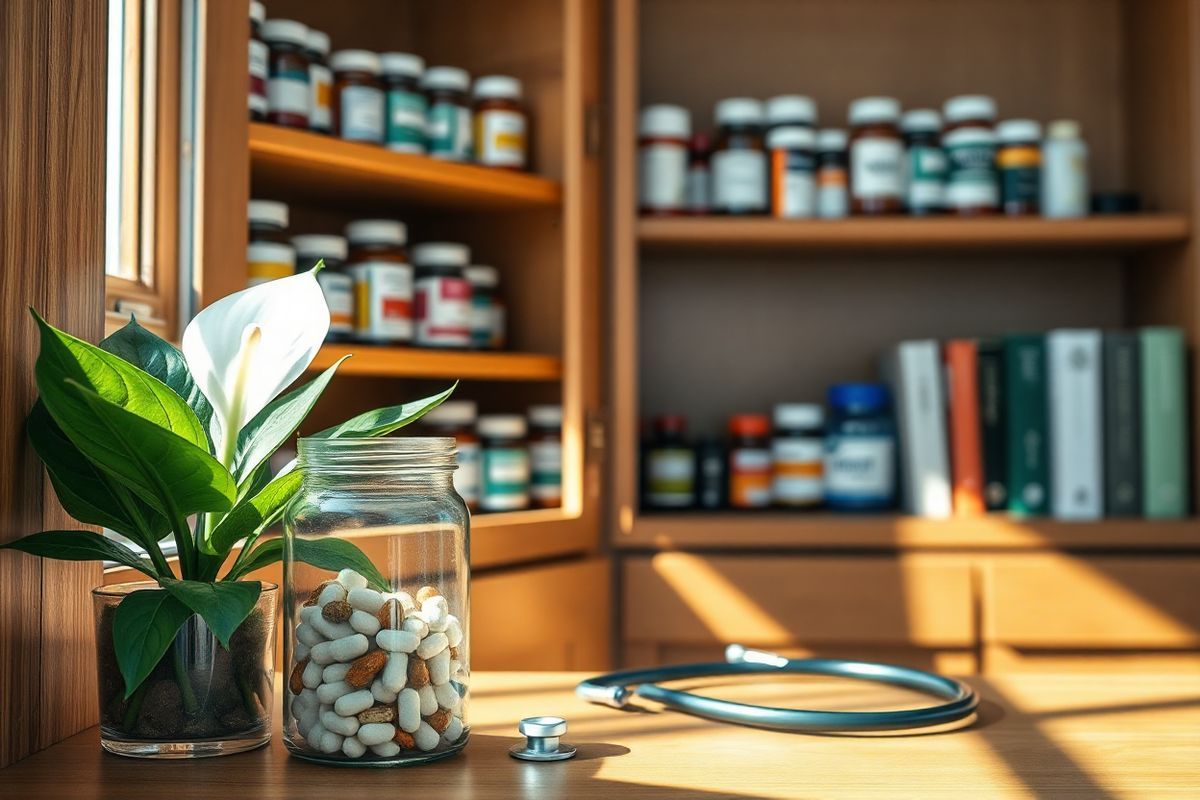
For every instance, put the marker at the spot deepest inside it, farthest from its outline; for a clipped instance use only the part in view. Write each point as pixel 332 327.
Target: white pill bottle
pixel 376 576
pixel 1064 171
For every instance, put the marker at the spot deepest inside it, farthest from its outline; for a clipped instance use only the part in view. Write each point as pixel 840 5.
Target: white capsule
pixel 376 733
pixel 328 693
pixel 426 738
pixel 397 641
pixel 364 623
pixel 447 696
pixel 436 613
pixel 351 579
pixel 307 635
pixel 331 742
pixel 306 719
pixel 453 730
pixel 350 704
pixel 315 732
pixel 386 750
pixel 429 702
pixel 433 644
pixel 408 710
pixel 416 626
pixel 439 667
pixel 346 726
pixel 395 672
pixel 365 599
pixel 321 653
pixel 349 647
pixel 381 693
pixel 454 631
pixel 330 630
pixel 311 676
pixel 299 651
pixel 353 748
pixel 332 591
pixel 306 699
pixel 335 672
pixel 406 602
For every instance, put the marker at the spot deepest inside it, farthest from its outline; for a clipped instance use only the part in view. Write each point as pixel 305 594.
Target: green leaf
pixel 223 606
pixel 160 358
pixel 144 626
pixel 86 492
pixel 170 473
pixel 252 516
pixel 264 555
pixel 79 546
pixel 327 553
pixel 383 421
pixel 272 426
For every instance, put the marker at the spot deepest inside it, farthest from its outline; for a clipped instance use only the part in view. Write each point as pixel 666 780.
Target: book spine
pixel 1073 358
pixel 1028 444
pixel 1122 425
pixel 993 421
pixel 962 402
pixel 1164 427
pixel 921 418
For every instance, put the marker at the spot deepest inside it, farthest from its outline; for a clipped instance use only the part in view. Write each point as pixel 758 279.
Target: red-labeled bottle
pixel 749 461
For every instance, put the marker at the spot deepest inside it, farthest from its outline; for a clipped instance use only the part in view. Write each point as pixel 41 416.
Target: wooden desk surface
pixel 1104 736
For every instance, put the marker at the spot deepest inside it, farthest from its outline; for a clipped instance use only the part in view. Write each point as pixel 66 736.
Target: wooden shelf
pixel 308 165
pixel 410 362
pixel 1131 232
pixel 825 531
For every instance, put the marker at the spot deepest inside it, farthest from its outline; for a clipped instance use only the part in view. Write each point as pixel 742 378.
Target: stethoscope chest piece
pixel 542 740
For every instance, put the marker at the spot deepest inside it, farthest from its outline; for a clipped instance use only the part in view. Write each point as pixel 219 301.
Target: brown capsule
pixel 454 652
pixel 296 681
pixel 439 720
pixel 363 669
pixel 405 740
pixel 315 594
pixel 426 592
pixel 377 713
pixel 390 614
pixel 418 672
pixel 337 611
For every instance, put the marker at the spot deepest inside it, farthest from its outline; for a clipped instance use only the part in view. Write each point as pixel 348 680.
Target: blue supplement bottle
pixel 860 448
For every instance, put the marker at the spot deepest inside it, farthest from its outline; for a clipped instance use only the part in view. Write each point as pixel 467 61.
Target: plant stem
pixel 149 542
pixel 250 700
pixel 135 707
pixel 181 678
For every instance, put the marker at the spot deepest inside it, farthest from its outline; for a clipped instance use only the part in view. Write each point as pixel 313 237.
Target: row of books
pixel 1074 424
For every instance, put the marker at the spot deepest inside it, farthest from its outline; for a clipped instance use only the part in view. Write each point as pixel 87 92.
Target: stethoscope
pixel 614 690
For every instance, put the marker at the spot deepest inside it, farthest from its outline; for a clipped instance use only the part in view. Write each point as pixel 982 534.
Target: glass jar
pixel 336 284
pixel 259 55
pixel 357 96
pixel 376 569
pixel 669 472
pixel 860 448
pixel 288 94
pixel 200 699
pixel 793 171
pixel 383 281
pixel 442 310
pixel 448 128
pixel 925 163
pixel 505 463
pixel 739 160
pixel 457 418
pixel 320 78
pixel 500 123
pixel 876 156
pixel 1064 171
pixel 663 159
pixel 969 142
pixel 406 104
pixel 1019 162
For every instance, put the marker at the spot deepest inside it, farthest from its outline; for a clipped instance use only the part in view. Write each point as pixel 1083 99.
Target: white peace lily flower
pixel 245 349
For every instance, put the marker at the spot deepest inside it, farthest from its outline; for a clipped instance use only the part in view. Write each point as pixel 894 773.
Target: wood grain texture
pixel 1053 736
pixel 52 59
pixel 410 362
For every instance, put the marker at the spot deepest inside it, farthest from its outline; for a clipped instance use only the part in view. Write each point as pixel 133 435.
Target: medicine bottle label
pixel 466 477
pixel 338 289
pixel 860 468
pixel 500 138
pixel 796 471
pixel 739 180
pixel 450 131
pixel 481 320
pixel 259 57
pixel 833 197
pixel 971 175
pixel 545 460
pixel 288 92
pixel 926 177
pixel 670 477
pixel 793 184
pixel 662 176
pixel 443 311
pixel 383 294
pixel 259 272
pixel 1020 176
pixel 505 479
pixel 321 80
pixel 749 478
pixel 362 114
pixel 875 167
pixel 406 121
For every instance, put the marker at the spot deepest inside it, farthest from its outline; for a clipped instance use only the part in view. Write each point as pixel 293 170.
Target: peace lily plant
pixel 140 438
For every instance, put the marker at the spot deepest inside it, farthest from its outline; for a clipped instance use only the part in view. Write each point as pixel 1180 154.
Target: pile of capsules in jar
pixel 374 294
pixel 771 159
pixel 388 99
pixel 374 675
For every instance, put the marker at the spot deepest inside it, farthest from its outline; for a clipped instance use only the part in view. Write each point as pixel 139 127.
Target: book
pixel 1027 451
pixel 989 354
pixel 1073 360
pixel 1122 425
pixel 1164 423
pixel 966 449
pixel 914 371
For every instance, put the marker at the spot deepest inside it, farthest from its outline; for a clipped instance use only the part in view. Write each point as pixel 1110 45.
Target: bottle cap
pixel 270 253
pixel 355 61
pixel 792 109
pixel 546 416
pixel 451 78
pixel 376 231
pixel 1019 130
pixel 866 110
pixel 441 254
pixel 313 246
pixel 859 398
pixel 968 136
pixel 739 111
pixel 799 415
pixel 317 41
pixel 831 139
pixel 663 120
pixel 453 412
pixel 671 423
pixel 502 426
pixel 483 276
pixel 286 31
pixel 267 212
pixel 969 106
pixel 503 87
pixel 405 64
pixel 921 120
pixel 755 425
pixel 258 12
pixel 1063 129
pixel 791 137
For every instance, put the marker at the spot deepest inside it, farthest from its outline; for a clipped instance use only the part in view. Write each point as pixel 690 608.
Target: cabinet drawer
pixel 684 598
pixel 1052 601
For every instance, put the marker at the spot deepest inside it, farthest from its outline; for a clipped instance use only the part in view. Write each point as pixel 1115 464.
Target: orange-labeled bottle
pixel 749 461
